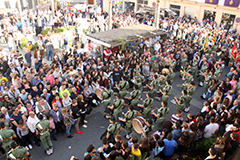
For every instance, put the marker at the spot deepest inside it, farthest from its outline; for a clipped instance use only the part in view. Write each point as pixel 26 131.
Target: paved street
pixel 64 148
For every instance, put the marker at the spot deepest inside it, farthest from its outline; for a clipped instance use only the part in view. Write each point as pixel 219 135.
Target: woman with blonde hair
pixel 67 120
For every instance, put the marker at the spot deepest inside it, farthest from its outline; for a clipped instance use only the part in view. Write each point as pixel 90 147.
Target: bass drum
pixel 98 92
pixel 138 124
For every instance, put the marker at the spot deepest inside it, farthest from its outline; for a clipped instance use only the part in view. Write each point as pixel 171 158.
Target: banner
pixel 211 1
pixel 206 43
pixel 233 53
pixel 231 3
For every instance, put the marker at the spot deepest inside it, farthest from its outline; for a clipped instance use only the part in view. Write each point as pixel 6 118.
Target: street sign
pixel 98 1
pixel 154 4
pixel 237 20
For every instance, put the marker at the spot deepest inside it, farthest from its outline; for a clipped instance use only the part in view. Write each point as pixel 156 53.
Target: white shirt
pixel 210 130
pixel 31 123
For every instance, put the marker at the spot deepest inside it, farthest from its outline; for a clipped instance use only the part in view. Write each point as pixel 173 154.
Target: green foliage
pixel 23 42
pixel 86 31
pixel 59 30
pixel 34 46
pixel 45 31
pixel 122 40
pixel 70 27
pixel 204 144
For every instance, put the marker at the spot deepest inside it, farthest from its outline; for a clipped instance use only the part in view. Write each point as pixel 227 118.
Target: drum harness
pixel 127 119
pixel 115 127
pixel 109 96
pixel 118 105
pixel 125 83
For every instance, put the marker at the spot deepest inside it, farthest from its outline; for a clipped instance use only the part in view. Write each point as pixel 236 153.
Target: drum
pixel 145 89
pixel 138 124
pixel 165 70
pixel 108 112
pixel 98 92
pixel 158 96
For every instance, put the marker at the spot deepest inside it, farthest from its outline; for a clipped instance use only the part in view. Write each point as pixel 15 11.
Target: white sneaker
pixel 51 150
pixel 204 95
pixel 48 152
pixel 84 126
pixel 30 146
pixel 27 148
pixel 201 84
pixel 85 121
pixel 187 109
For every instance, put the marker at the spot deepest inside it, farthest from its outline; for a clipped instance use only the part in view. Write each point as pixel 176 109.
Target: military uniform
pixel 17 153
pixel 162 82
pixel 117 111
pixel 147 130
pixel 182 101
pixel 171 76
pixel 173 64
pixel 187 81
pixel 123 89
pixel 190 93
pixel 206 82
pixel 106 95
pixel 153 85
pixel 203 69
pixel 183 63
pixel 148 102
pixel 139 83
pixel 162 112
pixel 194 67
pixel 6 138
pixel 43 128
pixel 217 72
pixel 112 131
pixel 130 115
pixel 135 97
pixel 136 71
pixel 166 90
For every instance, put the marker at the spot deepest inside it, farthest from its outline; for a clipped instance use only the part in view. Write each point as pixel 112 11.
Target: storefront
pixel 129 6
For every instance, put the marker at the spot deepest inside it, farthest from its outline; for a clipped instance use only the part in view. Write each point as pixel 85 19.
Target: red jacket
pixel 106 82
pixel 54 101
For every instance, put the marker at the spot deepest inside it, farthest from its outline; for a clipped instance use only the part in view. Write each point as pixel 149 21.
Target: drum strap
pixel 127 119
pixel 119 104
pixel 125 83
pixel 149 102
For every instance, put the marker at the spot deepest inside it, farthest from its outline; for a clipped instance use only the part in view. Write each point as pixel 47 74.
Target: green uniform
pixel 113 129
pixel 202 71
pixel 123 89
pixel 148 102
pixel 130 115
pixel 153 85
pixel 135 97
pixel 194 67
pixel 187 81
pixel 183 63
pixel 147 130
pixel 206 82
pixel 162 82
pixel 166 90
pixel 139 83
pixel 172 63
pixel 162 112
pixel 217 72
pixel 136 71
pixel 182 101
pixel 6 138
pixel 43 128
pixel 190 93
pixel 117 104
pixel 106 95
pixel 17 153
pixel 171 76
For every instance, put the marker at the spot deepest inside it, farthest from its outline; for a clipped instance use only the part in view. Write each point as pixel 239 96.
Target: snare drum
pixel 98 92
pixel 158 96
pixel 138 124
pixel 108 112
pixel 145 89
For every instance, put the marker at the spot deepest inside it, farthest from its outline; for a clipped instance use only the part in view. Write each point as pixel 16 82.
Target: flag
pixel 231 3
pixel 211 1
pixel 233 53
pixel 214 37
pixel 206 43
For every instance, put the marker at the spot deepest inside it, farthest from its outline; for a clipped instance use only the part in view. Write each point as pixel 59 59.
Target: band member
pixel 161 115
pixel 17 152
pixel 203 69
pixel 218 72
pixel 166 91
pixel 171 76
pixel 136 70
pixel 194 66
pixel 208 77
pixel 106 95
pixel 190 92
pixel 129 116
pixel 162 80
pixel 147 128
pixel 146 107
pixel 134 99
pixel 184 62
pixel 113 129
pixel 181 101
pixel 123 86
pixel 173 64
pixel 117 106
pixel 153 86
pixel 187 78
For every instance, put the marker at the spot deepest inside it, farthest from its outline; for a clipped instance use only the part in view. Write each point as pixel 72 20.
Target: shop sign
pixel 211 1
pixel 231 3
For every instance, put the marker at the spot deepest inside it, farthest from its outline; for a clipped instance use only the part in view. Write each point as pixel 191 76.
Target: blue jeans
pixel 208 95
pixel 68 130
pixel 66 47
pixel 50 53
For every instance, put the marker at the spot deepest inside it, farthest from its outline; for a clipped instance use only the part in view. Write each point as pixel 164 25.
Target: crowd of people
pixel 39 100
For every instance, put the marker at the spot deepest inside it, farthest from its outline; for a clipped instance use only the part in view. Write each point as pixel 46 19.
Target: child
pixel 67 119
pixel 23 133
pixel 135 151
pixel 52 125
